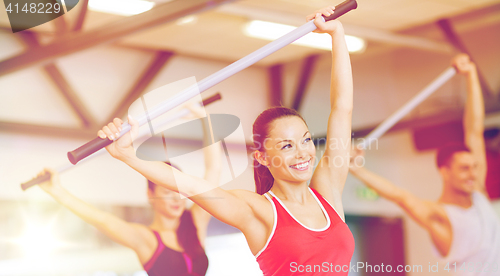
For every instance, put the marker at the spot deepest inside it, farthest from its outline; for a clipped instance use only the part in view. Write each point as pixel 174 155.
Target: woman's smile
pixel 303 166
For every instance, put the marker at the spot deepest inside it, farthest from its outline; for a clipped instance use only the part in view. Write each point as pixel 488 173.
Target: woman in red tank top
pixel 292 228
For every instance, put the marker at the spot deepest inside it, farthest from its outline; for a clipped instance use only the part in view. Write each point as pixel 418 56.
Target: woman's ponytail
pixel 263 178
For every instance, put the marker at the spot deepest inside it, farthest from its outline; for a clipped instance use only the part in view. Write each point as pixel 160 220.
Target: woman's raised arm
pixel 132 235
pixel 331 173
pixel 237 208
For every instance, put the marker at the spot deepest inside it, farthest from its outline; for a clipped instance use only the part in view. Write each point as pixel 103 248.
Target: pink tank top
pixel 295 249
pixel 168 262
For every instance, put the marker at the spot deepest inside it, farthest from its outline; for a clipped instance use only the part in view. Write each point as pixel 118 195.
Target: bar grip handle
pixel 87 149
pixel 37 180
pixel 212 99
pixel 342 8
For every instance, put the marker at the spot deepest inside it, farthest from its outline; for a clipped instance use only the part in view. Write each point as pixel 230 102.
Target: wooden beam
pixel 305 77
pixel 29 38
pixel 478 18
pixel 433 120
pixel 81 16
pixel 275 85
pixel 452 36
pixel 86 134
pixel 73 42
pixel 48 131
pixel 55 75
pixel 61 26
pixel 141 84
pixel 415 123
pixel 70 95
pixel 372 34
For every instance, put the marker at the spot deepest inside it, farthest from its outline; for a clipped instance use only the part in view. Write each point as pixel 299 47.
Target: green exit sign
pixel 366 193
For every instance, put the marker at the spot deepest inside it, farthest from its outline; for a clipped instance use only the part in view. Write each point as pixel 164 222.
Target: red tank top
pixel 294 249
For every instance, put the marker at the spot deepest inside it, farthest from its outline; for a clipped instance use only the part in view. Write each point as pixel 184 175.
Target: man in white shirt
pixel 463 225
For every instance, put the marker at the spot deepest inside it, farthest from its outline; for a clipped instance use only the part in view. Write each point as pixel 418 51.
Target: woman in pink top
pixel 293 229
pixel 172 245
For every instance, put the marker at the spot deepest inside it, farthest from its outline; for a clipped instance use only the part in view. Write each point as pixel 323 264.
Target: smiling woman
pixel 267 128
pixel 286 222
pixel 308 220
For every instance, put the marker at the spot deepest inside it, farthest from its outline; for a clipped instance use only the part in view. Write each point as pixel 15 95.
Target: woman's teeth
pixel 300 166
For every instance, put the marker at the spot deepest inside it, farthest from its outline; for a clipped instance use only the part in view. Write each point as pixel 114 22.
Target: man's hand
pixel 463 64
pixel 357 158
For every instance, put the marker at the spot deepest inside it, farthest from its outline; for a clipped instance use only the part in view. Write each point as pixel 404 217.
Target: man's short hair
pixel 446 152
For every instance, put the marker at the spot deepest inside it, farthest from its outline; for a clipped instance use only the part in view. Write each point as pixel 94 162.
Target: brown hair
pixel 187 234
pixel 445 154
pixel 261 127
pixel 151 185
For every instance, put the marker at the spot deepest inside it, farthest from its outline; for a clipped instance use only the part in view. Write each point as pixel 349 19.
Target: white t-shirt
pixel 475 248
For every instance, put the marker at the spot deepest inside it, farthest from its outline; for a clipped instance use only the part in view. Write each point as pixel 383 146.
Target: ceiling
pixel 216 34
pixel 374 20
pixel 227 22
